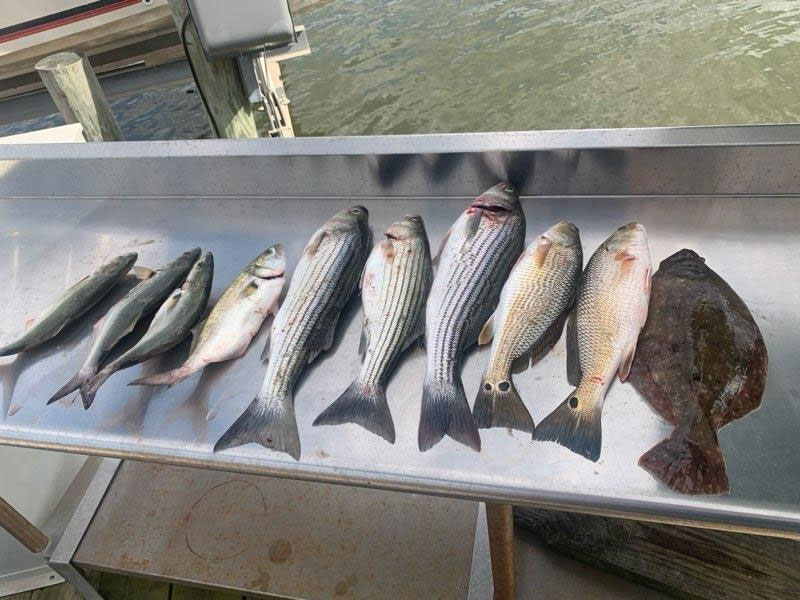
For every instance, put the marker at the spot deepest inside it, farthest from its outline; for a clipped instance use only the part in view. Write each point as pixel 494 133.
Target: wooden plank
pixel 22 596
pixel 685 562
pixel 21 529
pixel 61 591
pixel 500 523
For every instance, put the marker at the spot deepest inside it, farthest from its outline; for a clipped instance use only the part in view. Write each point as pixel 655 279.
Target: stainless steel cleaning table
pixel 730 193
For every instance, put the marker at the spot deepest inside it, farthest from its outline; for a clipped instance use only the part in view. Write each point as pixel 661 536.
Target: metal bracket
pixel 60 559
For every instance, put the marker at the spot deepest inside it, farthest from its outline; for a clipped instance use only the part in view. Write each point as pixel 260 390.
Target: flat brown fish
pixel 701 362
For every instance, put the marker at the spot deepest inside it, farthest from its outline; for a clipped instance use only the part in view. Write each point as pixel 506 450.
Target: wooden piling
pixel 218 82
pixel 76 92
pixel 21 529
pixel 500 522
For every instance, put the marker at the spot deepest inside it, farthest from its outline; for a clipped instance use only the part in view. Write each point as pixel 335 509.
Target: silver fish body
pixel 394 288
pixel 73 303
pixel 610 312
pixel 325 278
pixel 529 319
pixel 235 319
pixel 169 326
pixel 123 317
pixel 476 257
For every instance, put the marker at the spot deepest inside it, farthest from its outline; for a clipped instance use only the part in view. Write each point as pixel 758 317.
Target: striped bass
pixel 394 287
pixel 235 319
pixel 170 325
pixel 123 317
pixel 70 305
pixel 477 255
pixel 610 311
pixel 325 278
pixel 530 316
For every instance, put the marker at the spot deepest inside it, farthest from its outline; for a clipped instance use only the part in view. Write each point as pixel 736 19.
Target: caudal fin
pixel 89 389
pixel 445 412
pixel 272 426
pixel 78 381
pixel 499 405
pixel 169 377
pixel 689 464
pixel 364 405
pixel 575 425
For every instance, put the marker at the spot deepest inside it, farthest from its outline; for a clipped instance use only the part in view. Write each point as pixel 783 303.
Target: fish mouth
pixel 492 208
pixel 269 275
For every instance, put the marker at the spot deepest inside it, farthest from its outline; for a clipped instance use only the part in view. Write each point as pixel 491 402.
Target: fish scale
pixel 476 258
pixel 323 281
pixel 395 284
pixel 611 309
pixel 529 320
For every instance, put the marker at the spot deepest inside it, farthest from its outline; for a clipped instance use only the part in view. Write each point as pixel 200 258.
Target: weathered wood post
pixel 21 529
pixel 218 82
pixel 76 92
pixel 500 522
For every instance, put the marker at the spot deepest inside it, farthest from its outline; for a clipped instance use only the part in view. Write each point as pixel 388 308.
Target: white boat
pixel 115 34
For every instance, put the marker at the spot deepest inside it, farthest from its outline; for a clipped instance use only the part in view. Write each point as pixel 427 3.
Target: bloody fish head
pixel 271 263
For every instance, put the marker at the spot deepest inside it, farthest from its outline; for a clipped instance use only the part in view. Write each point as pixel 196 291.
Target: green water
pixel 408 66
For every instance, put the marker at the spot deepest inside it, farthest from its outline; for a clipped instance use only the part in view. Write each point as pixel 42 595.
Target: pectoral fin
pixel 363 343
pixel 442 244
pixel 487 333
pixel 627 361
pixel 143 273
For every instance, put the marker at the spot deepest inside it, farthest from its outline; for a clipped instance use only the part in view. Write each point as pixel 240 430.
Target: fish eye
pixel 271 251
pixel 573 402
pixel 508 189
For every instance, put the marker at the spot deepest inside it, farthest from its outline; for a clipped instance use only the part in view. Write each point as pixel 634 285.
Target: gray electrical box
pixel 232 27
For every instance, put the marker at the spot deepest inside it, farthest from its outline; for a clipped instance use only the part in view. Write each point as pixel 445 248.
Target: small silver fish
pixel 530 316
pixel 610 311
pixel 394 287
pixel 73 303
pixel 235 319
pixel 324 280
pixel 476 257
pixel 123 316
pixel 170 325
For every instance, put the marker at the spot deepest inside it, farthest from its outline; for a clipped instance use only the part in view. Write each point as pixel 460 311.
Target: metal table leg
pixel 499 519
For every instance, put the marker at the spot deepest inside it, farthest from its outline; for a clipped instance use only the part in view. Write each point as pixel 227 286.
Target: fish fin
pixel 168 377
pixel 573 360
pixel 418 333
pixel 89 389
pixel 541 347
pixel 363 343
pixel 195 333
pixel 272 427
pixel 689 463
pixel 577 429
pixel 388 251
pixel 267 345
pixel 627 361
pixel 442 244
pixel 487 333
pixel 521 363
pixel 313 244
pixel 541 251
pixel 78 381
pixel 363 405
pixel 29 323
pixel 445 412
pixel 12 348
pixel 170 303
pixel 501 406
pixel 325 340
pixel 250 288
pixel 142 273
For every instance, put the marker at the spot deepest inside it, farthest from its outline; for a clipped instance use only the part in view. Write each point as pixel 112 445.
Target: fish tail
pixel 575 425
pixel 12 348
pixel 90 387
pixel 273 426
pixel 689 463
pixel 363 404
pixel 78 381
pixel 445 411
pixel 500 405
pixel 169 377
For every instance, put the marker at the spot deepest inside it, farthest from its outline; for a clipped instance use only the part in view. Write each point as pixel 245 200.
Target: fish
pixel 394 288
pixel 69 306
pixel 610 311
pixel 476 256
pixel 325 278
pixel 534 305
pixel 172 322
pixel 123 317
pixel 701 363
pixel 235 319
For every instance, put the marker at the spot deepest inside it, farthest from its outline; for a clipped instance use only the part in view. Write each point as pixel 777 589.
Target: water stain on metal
pixel 280 551
pixel 209 532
